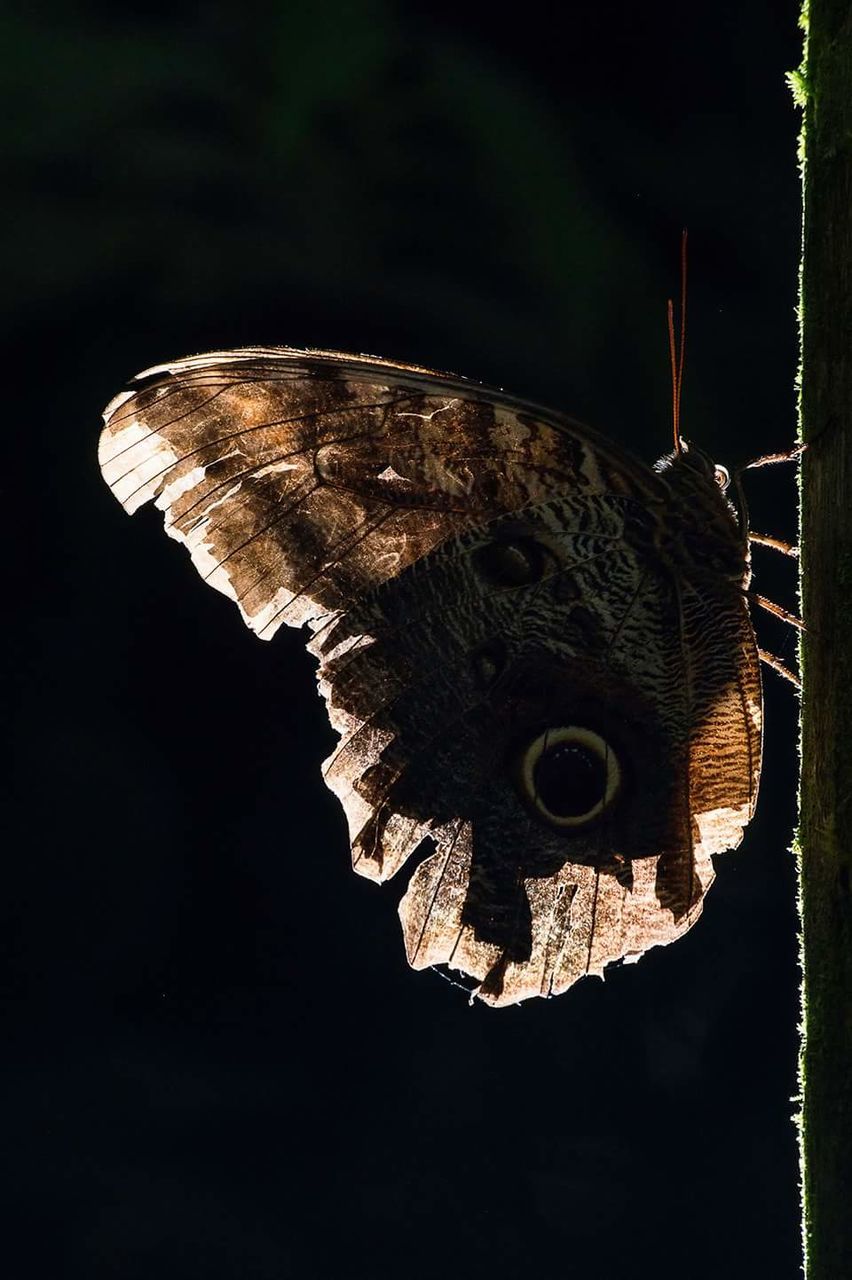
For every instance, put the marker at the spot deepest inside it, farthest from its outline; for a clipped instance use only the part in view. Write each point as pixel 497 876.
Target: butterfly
pixel 536 649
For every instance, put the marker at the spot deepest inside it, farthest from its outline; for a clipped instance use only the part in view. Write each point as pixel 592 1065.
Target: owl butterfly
pixel 536 650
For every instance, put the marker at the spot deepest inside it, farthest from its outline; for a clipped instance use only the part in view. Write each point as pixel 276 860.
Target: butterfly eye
pixel 569 775
pixel 722 476
pixel 512 563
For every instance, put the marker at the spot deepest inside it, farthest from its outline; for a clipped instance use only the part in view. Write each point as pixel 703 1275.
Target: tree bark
pixel 825 833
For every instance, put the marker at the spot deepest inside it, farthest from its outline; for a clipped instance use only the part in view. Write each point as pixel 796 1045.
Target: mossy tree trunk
pixel 825 835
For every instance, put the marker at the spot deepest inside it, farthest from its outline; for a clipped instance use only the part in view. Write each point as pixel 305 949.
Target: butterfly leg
pixel 790 618
pixel 765 460
pixel 772 459
pixel 777 665
pixel 775 544
pixel 776 610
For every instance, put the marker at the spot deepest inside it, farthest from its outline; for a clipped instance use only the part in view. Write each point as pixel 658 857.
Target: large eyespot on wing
pixel 299 480
pixel 569 775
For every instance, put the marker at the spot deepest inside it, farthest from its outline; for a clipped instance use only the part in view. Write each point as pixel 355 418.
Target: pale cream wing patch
pixel 582 920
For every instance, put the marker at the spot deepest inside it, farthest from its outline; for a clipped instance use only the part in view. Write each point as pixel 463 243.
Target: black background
pixel 216 1062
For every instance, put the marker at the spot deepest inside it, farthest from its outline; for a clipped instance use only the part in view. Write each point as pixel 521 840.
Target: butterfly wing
pixel 445 672
pixel 360 496
pixel 298 480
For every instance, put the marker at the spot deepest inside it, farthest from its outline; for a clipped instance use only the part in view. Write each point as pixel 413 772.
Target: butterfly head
pixel 692 459
pixel 702 531
pixel 704 465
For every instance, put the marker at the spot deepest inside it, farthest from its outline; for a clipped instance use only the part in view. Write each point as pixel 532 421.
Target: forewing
pixel 299 480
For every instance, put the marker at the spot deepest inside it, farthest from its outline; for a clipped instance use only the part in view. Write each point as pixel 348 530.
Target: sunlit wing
pixel 309 486
pixel 298 480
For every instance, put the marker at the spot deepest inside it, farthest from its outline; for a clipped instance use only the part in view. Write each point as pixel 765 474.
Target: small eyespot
pixel 489 662
pixel 569 775
pixel 514 563
pixel 722 476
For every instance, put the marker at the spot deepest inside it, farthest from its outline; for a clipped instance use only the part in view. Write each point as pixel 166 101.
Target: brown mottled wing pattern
pixel 298 480
pixel 603 637
pixel 356 495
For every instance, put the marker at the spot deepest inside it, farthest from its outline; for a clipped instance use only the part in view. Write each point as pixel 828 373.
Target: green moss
pixel 821 87
pixel 798 84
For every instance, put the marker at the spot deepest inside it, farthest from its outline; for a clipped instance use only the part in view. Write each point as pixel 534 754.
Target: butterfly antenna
pixel 677 349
